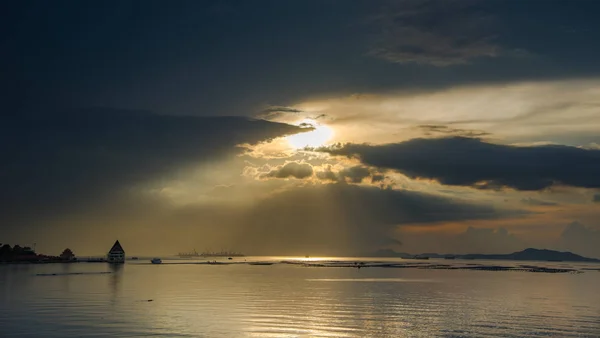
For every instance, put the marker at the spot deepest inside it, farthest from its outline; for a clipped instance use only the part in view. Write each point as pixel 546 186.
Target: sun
pixel 314 138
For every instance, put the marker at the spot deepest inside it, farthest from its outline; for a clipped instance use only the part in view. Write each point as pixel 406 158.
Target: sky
pixel 300 127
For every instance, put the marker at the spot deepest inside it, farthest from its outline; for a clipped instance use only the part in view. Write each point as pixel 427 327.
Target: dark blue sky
pixel 231 57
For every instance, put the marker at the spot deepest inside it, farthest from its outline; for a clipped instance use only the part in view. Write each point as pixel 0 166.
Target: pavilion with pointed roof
pixel 116 254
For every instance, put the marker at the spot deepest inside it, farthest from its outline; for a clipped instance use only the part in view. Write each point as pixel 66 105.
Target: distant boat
pixel 134 258
pixel 188 254
pixel 222 254
pixel 215 263
pixel 95 260
pixel 156 261
pixel 194 253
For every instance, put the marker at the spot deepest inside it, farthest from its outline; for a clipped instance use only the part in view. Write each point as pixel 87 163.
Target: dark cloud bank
pixel 440 33
pixel 471 162
pixel 62 161
pixel 155 56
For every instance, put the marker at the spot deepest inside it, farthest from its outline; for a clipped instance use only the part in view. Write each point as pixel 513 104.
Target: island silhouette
pixel 529 254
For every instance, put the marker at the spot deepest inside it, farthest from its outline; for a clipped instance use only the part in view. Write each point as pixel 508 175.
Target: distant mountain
pixel 532 254
pixel 529 254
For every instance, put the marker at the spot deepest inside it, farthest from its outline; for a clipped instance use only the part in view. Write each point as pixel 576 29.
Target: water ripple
pixel 289 300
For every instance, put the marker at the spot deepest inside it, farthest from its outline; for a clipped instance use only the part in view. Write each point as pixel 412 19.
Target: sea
pixel 299 297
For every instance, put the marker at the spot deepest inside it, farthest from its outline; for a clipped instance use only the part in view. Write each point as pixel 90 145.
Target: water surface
pixel 289 300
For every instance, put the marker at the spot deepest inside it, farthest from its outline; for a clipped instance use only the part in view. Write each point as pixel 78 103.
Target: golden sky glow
pixel 243 200
pixel 315 138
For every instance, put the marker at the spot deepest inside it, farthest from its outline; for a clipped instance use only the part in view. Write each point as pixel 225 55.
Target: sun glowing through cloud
pixel 314 138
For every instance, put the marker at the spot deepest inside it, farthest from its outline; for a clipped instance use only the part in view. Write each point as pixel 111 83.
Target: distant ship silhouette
pixel 194 253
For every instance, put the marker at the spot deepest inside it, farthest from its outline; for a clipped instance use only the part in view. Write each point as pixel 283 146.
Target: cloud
pixel 290 170
pixel 592 145
pixel 439 33
pixel 274 112
pixel 326 172
pixel 580 239
pixel 563 112
pixel 283 109
pixel 471 162
pixel 536 202
pixel 346 219
pixel 355 174
pixel 461 240
pixel 483 240
pixel 433 129
pixel 63 162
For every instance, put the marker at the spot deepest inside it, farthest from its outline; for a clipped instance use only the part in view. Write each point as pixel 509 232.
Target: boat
pixel 156 261
pixel 134 258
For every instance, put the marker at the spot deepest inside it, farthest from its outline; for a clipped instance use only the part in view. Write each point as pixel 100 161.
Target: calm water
pixel 285 300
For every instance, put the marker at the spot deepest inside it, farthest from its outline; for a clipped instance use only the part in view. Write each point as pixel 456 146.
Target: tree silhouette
pixel 5 251
pixel 67 254
pixel 17 250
